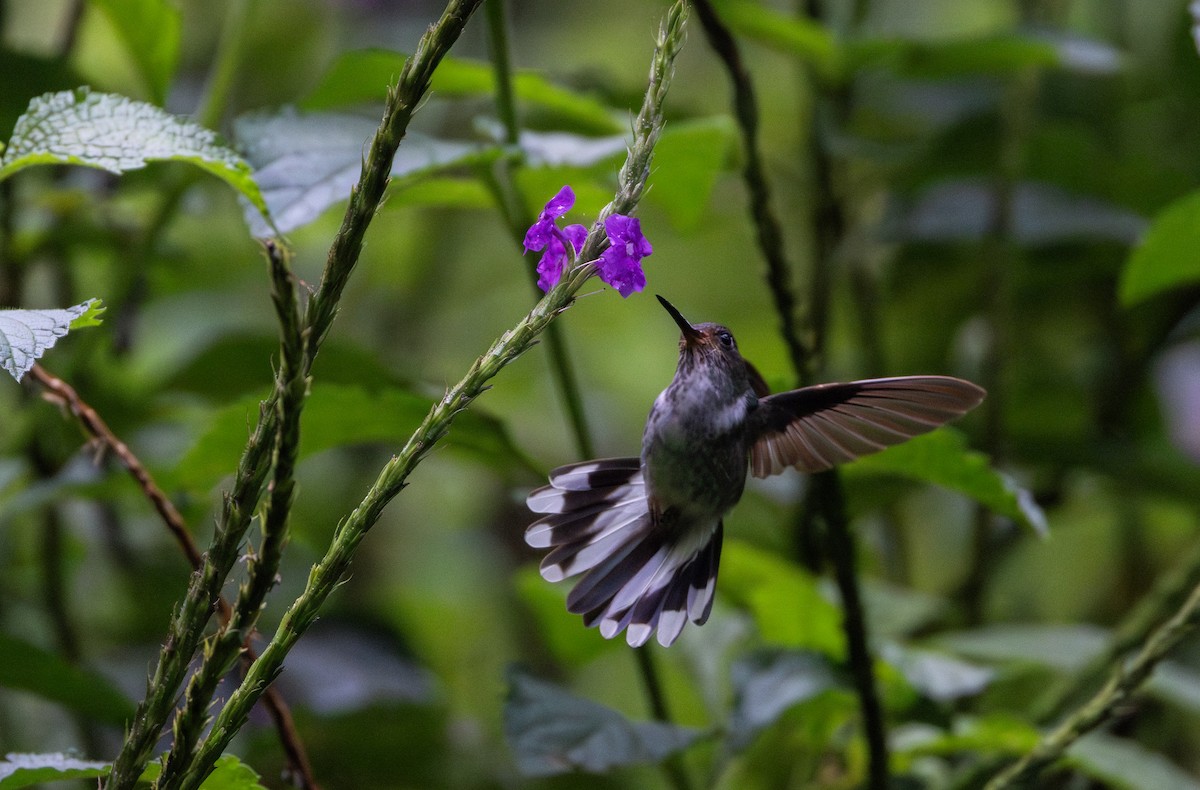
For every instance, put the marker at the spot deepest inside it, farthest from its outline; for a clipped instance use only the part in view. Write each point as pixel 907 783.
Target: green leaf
pixel 792 34
pixel 364 76
pixel 443 192
pixel 937 676
pixel 784 599
pixel 1166 258
pixel 1000 54
pixel 230 773
pixel 943 458
pixel 306 162
pixel 991 734
pixel 1064 647
pixel 336 416
pixel 150 31
pixel 551 731
pixel 563 633
pixel 27 334
pixel 118 134
pixel 34 770
pixel 689 157
pixel 1122 763
pixel 91 316
pixel 768 683
pixel 28 668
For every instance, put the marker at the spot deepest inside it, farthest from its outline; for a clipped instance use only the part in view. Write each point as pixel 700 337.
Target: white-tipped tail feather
pixel 638 576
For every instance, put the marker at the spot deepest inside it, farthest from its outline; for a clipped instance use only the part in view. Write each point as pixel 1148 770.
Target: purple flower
pixel 545 234
pixel 621 264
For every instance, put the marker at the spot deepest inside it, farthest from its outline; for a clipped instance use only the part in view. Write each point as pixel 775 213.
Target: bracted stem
pixel 193 614
pixel 328 572
pixel 222 651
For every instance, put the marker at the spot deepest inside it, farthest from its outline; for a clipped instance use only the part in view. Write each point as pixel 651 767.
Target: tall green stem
pixel 328 572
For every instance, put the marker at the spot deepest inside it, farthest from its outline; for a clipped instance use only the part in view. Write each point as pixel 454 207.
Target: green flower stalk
pixel 328 572
pixel 222 651
pixel 193 613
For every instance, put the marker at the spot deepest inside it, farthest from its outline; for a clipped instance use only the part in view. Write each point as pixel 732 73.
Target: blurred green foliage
pixel 1019 184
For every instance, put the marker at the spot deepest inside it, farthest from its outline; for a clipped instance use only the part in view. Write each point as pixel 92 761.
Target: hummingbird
pixel 645 532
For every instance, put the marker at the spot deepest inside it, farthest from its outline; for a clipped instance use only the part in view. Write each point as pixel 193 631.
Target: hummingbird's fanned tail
pixel 816 428
pixel 637 575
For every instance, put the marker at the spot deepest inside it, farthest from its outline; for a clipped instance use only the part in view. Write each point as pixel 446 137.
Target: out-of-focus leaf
pixel 943 458
pixel 1121 763
pixel 551 731
pixel 895 611
pixel 229 773
pixel 28 668
pixel 443 192
pixel 791 34
pixel 306 162
pixel 992 734
pixel 1177 685
pixel 768 683
pixel 689 157
pixel 939 677
pixel 364 76
pixel 118 134
pixel 25 335
pixel 150 31
pixel 1167 257
pixel 1063 647
pixel 34 770
pixel 567 640
pixel 785 600
pixel 336 416
pixel 959 57
pixel 371 671
pixel 964 210
pixel 1175 377
pixel 563 149
pixel 239 363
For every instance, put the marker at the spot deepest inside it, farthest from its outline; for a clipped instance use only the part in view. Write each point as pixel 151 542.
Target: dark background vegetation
pixel 995 165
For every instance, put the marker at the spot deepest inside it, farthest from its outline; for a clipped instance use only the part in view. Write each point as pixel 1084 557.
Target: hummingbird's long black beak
pixel 690 335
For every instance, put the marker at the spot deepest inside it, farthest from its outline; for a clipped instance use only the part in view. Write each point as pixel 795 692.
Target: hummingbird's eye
pixel 726 339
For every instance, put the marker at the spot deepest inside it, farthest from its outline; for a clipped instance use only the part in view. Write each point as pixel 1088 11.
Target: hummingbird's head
pixel 710 343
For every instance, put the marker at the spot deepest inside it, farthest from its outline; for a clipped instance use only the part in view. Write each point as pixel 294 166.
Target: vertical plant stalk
pixel 193 613
pixel 203 592
pixel 517 216
pixel 1000 255
pixel 367 195
pixel 327 573
pixel 223 649
pixel 1123 683
pixel 826 490
pixel 515 211
pixel 63 394
pixel 762 214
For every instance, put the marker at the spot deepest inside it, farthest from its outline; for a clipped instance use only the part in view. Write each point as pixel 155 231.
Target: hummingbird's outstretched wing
pixel 816 428
pixel 638 576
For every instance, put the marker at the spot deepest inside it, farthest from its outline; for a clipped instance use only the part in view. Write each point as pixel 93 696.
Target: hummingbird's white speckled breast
pixel 694 453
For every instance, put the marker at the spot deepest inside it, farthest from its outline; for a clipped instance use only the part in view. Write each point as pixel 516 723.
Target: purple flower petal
pixel 550 267
pixel 576 234
pixel 621 264
pixel 539 235
pixel 558 205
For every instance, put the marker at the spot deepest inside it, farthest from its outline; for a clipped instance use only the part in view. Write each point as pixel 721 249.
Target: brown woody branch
pixel 64 395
